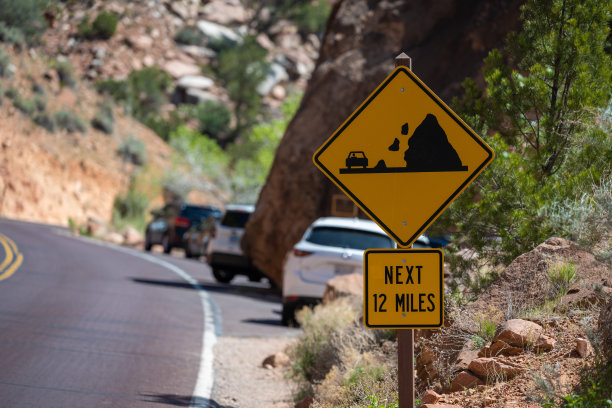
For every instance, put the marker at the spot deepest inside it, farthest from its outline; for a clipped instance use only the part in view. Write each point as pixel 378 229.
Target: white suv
pixel 330 247
pixel 224 254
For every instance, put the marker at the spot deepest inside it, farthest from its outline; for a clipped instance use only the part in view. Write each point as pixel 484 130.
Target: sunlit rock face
pixel 447 41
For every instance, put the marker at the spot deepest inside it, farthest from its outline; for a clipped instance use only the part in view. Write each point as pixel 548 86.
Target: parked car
pixel 330 247
pixel 199 234
pixel 170 223
pixel 224 254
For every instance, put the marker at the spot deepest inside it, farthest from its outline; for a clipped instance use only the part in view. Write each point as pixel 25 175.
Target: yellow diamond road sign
pixel 403 156
pixel 403 288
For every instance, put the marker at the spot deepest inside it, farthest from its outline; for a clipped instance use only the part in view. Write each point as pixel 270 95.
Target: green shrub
pixel 164 127
pixel 143 93
pixel 85 28
pixel 70 121
pixel 214 118
pixel 560 276
pixel 27 106
pixel 130 205
pixel 5 62
pixel 12 35
pixel 133 151
pixel 23 19
pixel 44 120
pixel 104 120
pixel 486 332
pixel 105 25
pixel 64 72
pixel 11 93
pixel 189 36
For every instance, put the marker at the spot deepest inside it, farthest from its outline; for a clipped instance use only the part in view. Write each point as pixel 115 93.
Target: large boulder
pixel 519 333
pixel 343 285
pixel 447 41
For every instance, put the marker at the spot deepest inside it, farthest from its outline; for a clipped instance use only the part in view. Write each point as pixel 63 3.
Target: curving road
pixel 88 324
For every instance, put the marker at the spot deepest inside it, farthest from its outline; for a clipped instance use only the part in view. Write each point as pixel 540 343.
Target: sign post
pixel 403 156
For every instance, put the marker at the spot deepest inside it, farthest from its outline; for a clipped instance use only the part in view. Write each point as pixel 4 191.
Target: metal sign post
pixel 405 337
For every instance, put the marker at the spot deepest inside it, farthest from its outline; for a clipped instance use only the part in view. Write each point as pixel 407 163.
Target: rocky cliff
pixel 447 41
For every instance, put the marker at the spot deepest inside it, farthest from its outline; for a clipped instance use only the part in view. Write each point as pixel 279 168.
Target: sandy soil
pixel 240 379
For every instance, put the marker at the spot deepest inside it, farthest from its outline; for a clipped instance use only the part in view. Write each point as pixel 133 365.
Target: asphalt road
pixel 84 324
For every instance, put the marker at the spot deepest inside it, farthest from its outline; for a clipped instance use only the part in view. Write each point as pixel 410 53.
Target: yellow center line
pixel 8 267
pixel 8 258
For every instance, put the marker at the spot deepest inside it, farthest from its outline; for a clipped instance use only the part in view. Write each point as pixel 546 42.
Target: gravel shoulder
pixel 240 379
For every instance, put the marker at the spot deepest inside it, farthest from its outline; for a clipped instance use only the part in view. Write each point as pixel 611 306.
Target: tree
pixel 544 109
pixel 241 70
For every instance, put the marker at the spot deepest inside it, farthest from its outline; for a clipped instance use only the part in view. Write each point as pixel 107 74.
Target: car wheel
pixel 147 244
pixel 222 276
pixel 166 244
pixel 288 316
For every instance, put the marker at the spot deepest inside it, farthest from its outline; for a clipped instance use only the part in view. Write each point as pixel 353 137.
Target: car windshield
pixel 197 213
pixel 348 238
pixel 235 219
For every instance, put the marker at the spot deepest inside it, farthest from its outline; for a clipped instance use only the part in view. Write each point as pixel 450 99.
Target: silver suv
pixel 224 254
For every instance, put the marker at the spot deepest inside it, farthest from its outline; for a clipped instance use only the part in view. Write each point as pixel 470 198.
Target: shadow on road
pixel 259 293
pixel 183 401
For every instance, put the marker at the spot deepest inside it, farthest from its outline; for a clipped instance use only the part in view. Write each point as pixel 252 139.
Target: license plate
pixel 234 238
pixel 343 269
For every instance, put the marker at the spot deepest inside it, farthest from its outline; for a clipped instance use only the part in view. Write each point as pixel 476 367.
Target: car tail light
pixel 181 222
pixel 291 298
pixel 299 252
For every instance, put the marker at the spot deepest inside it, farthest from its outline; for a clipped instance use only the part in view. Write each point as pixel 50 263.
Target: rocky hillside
pixel 53 174
pixel 534 336
pixel 447 42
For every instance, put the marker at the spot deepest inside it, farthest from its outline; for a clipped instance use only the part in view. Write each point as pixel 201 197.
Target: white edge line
pixel 204 384
pixel 201 395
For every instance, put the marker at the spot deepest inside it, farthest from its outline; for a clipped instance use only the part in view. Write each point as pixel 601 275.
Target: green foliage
pixel 105 24
pixel 44 120
pixel 164 127
pixel 133 151
pixel 594 390
pixel 241 69
pixel 132 204
pixel 64 72
pixel 5 62
pixel 311 16
pixel 308 15
pixel 486 332
pixel 142 94
pixel 214 118
pixel 22 19
pixel 202 156
pixel 104 119
pixel 103 27
pixel 560 277
pixel 12 35
pixel 375 402
pixel 26 106
pixel 189 36
pixel 253 157
pixel 544 114
pixel 70 121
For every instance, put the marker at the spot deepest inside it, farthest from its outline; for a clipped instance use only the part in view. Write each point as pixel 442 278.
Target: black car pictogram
pixel 356 159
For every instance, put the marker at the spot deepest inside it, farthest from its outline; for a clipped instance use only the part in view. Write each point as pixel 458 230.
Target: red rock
pixel 440 406
pixel 278 359
pixel 430 397
pixel 545 343
pixel 343 285
pixel 582 347
pixel 494 369
pixel 498 348
pixel 519 333
pixel 463 380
